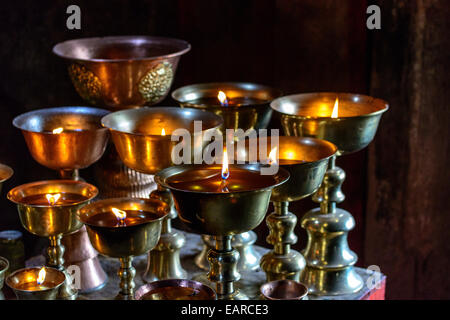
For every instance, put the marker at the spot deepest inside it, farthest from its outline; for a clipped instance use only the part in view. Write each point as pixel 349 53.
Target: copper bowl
pixel 175 289
pixel 5 173
pixel 284 290
pixel 82 142
pixel 122 71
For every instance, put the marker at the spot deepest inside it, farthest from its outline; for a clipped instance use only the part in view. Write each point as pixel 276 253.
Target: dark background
pixel 397 189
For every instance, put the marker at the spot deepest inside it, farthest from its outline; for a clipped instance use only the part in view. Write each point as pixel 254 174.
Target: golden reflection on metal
pixel 127 241
pixel 329 261
pixel 5 173
pixel 53 221
pixel 136 134
pixel 220 215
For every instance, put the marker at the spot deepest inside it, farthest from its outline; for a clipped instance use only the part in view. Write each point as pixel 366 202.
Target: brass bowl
pixel 53 281
pixel 172 289
pixel 47 221
pixel 136 133
pixel 4 266
pixel 309 115
pixel 218 213
pixel 5 173
pixel 255 116
pixel 284 290
pixel 122 71
pixel 305 178
pixel 82 142
pixel 119 242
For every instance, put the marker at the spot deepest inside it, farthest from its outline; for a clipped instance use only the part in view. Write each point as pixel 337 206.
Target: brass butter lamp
pixel 207 207
pixel 242 105
pixel 48 209
pixel 306 160
pixel 121 72
pixel 142 138
pixel 122 228
pixel 67 139
pixel 350 121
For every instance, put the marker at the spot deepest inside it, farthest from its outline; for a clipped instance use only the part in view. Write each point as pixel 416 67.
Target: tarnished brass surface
pixel 329 261
pixel 120 72
pixel 284 290
pixel 167 290
pixel 125 242
pixel 136 133
pixel 256 116
pixel 54 279
pixel 309 115
pixel 221 215
pixel 82 142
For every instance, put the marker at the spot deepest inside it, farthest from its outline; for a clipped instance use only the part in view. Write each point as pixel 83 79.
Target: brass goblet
pixel 45 214
pixel 5 173
pixel 67 139
pixel 137 135
pixel 306 160
pixel 350 122
pixel 221 214
pixel 247 107
pixel 137 235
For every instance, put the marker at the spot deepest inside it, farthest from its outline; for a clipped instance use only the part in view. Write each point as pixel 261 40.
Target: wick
pixel 224 186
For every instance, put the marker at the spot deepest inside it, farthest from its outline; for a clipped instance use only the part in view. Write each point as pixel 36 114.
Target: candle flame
pixel 120 215
pixel 273 156
pixel 225 170
pixel 53 198
pixel 334 114
pixel 41 276
pixel 222 98
pixel 57 130
pixel 163 132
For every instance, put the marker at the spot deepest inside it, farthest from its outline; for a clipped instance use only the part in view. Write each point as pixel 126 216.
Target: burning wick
pixel 53 198
pixel 41 276
pixel 222 98
pixel 334 114
pixel 57 130
pixel 163 132
pixel 225 172
pixel 273 156
pixel 120 215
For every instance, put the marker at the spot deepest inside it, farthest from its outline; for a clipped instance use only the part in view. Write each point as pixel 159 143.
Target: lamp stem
pixel 126 274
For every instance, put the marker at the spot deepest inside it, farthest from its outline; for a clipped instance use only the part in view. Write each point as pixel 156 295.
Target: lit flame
pixel 57 130
pixel 222 98
pixel 163 132
pixel 273 156
pixel 52 198
pixel 120 215
pixel 334 114
pixel 225 171
pixel 41 276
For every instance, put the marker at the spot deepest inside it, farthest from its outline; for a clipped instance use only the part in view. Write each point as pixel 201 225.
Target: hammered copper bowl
pixel 136 134
pixel 309 115
pixel 122 71
pixel 252 116
pixel 81 143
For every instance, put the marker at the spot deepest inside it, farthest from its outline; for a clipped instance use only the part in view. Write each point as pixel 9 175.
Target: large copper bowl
pixel 82 142
pixel 122 71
